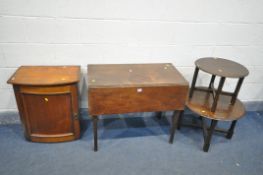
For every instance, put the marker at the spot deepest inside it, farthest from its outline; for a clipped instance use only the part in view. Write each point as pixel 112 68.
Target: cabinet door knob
pixel 75 116
pixel 46 99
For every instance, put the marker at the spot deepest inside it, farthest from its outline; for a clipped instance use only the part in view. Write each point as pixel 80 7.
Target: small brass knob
pixel 46 99
pixel 75 115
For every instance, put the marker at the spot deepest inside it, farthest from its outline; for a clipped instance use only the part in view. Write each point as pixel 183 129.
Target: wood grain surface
pixel 115 89
pixel 45 75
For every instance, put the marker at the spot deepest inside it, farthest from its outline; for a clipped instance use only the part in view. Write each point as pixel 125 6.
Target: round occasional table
pixel 212 102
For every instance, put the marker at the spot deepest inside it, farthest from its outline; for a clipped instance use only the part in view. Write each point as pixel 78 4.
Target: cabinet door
pixel 49 114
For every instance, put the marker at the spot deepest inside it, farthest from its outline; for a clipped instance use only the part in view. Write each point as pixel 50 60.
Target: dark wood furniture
pixel 47 100
pixel 125 88
pixel 214 103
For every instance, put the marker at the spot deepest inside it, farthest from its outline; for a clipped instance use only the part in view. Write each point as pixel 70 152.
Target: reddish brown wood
pixel 49 112
pixel 124 100
pixel 214 103
pixel 221 67
pixel 114 89
pixel 124 88
pixel 201 103
pixel 45 75
pixel 134 75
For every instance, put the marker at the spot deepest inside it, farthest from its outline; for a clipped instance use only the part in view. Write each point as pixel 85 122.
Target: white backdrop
pixel 81 32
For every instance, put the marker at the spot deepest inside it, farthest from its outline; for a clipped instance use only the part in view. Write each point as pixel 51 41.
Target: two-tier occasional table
pixel 126 88
pixel 213 102
pixel 47 100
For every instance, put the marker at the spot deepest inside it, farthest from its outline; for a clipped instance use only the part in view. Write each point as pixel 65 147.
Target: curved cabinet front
pixel 49 113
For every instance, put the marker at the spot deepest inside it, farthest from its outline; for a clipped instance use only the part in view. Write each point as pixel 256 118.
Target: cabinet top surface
pixel 222 67
pixel 134 75
pixel 45 75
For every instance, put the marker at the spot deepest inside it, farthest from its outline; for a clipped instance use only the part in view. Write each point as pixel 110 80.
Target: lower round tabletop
pixel 201 103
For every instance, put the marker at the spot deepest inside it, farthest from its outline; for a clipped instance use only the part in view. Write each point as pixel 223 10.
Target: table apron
pixel 136 99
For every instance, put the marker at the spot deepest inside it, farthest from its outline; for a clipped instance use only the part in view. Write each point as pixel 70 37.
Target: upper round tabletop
pixel 221 67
